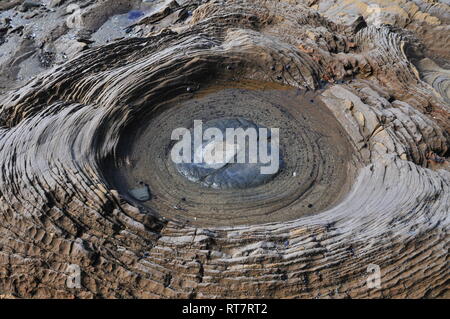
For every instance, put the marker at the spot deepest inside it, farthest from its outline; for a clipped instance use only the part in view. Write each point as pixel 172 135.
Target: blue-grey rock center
pixel 229 171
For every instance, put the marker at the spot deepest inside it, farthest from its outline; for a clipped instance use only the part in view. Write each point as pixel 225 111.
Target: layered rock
pixel 62 134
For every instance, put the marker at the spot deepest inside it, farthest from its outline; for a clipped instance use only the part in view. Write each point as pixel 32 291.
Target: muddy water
pixel 314 174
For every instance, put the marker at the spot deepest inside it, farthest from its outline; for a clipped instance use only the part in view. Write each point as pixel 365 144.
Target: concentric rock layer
pixel 367 136
pixel 313 174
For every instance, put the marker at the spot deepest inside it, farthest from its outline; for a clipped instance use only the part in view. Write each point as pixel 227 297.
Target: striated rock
pixel 436 76
pixel 367 175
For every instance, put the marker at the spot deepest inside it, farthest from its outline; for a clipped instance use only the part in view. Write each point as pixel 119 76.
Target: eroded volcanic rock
pixel 90 91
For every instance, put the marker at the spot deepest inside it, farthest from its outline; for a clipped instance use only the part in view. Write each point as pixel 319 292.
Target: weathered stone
pixel 384 120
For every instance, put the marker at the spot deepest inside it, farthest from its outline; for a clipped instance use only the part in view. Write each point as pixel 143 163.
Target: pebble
pixel 141 193
pixel 27 5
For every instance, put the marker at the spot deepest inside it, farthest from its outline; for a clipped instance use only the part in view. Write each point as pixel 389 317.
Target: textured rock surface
pixel 384 78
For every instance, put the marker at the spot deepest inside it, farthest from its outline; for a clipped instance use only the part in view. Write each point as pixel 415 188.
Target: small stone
pixel 311 35
pixel 27 5
pixel 142 193
pixel 5 21
pixel 348 104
